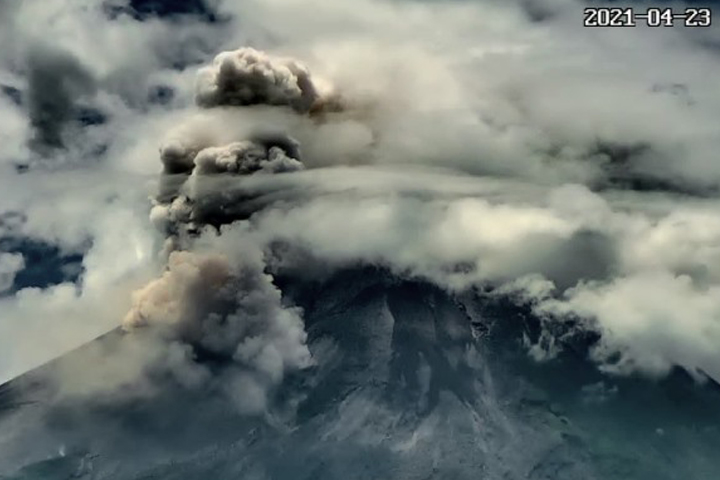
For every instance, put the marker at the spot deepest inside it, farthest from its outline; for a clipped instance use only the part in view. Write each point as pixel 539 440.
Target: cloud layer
pixel 505 146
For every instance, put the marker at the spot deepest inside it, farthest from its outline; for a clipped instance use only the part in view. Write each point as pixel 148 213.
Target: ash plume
pixel 249 77
pixel 226 306
pixel 241 78
pixel 185 201
pixel 56 81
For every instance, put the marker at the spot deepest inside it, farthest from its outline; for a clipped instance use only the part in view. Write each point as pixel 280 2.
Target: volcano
pixel 409 382
pixel 380 240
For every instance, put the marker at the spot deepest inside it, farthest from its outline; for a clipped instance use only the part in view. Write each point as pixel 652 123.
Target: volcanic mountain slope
pixel 409 382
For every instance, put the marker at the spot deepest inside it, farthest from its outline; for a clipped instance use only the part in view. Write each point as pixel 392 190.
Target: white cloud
pixel 10 265
pixel 650 322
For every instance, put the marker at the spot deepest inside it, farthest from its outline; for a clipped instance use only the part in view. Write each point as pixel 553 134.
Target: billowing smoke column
pixel 225 305
pixel 225 309
pixel 184 204
pixel 249 77
pixel 240 78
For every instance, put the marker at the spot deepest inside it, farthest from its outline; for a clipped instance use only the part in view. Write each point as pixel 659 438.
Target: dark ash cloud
pixel 56 82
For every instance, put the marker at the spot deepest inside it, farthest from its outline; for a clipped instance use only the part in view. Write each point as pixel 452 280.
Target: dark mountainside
pixel 409 383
